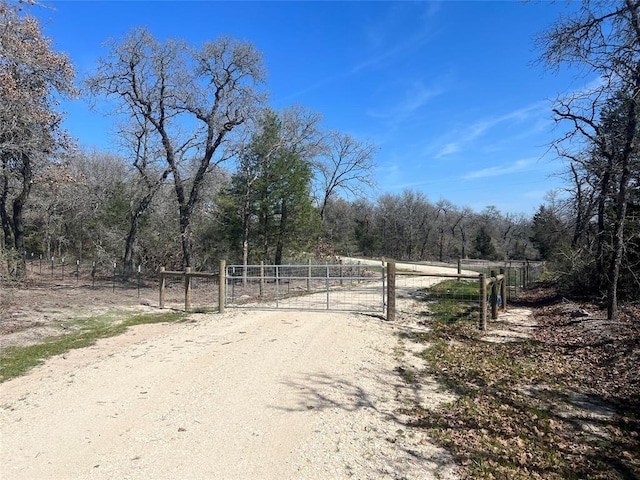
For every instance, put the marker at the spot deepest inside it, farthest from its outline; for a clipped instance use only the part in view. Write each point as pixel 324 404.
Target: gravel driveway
pixel 243 395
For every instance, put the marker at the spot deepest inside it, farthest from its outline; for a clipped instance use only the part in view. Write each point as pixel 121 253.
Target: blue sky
pixel 448 91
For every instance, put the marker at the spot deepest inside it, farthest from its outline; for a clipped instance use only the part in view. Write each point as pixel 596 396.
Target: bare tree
pixel 192 98
pixel 460 224
pixel 139 140
pixel 31 75
pixel 79 206
pixel 603 38
pixel 346 166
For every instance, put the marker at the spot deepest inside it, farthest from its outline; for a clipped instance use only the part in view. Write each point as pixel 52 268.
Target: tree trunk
pixel 4 214
pixel 245 245
pixel 185 236
pixel 580 208
pixel 132 236
pixel 463 236
pixel 130 245
pixel 281 235
pixel 18 219
pixel 602 202
pixel 621 214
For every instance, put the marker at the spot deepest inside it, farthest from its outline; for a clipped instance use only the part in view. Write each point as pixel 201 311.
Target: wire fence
pixel 469 294
pixel 81 283
pixel 441 297
pixel 519 275
pixel 76 273
pixel 346 287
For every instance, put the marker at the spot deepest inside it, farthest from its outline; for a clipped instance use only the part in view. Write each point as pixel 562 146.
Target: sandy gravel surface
pixel 243 395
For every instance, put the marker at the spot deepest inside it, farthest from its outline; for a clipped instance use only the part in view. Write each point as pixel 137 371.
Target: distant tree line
pixel 83 208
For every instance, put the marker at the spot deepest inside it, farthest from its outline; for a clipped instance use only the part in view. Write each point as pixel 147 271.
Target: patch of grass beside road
pixel 451 300
pixel 15 361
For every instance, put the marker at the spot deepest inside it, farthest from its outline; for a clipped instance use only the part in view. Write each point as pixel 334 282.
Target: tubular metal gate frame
pixel 352 287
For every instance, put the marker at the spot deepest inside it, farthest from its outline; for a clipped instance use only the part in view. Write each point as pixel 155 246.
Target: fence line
pixel 187 276
pixel 492 289
pixel 520 274
pixel 83 274
pixel 497 297
pixel 307 287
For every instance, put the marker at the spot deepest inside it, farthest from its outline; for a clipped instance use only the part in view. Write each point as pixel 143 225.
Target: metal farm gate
pixel 356 287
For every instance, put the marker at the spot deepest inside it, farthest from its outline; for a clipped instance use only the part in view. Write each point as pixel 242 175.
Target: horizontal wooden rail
pixel 187 274
pixel 169 273
pixel 443 275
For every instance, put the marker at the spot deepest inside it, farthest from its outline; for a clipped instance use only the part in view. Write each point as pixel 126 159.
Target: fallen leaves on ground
pixel 562 405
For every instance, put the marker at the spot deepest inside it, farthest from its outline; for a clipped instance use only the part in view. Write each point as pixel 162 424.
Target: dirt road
pixel 243 395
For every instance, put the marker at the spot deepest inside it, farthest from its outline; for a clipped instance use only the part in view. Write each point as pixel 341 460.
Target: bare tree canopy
pixel 32 76
pixel 347 166
pixel 603 38
pixel 192 98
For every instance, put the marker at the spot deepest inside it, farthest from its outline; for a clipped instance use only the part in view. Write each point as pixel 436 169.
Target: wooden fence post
pixel 494 295
pixel 187 288
pixel 308 274
pixel 391 291
pixel 261 278
pixel 222 284
pixel 162 285
pixel 503 290
pixel 482 325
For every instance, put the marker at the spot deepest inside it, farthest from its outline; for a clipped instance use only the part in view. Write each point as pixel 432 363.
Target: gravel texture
pixel 242 395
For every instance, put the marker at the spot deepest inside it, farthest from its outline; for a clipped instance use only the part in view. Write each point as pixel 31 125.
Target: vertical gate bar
pixel 327 283
pixel 277 286
pixel 222 286
pixel 384 288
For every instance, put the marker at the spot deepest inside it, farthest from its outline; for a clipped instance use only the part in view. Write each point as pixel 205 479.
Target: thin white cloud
pixel 449 149
pixel 476 130
pixel 367 63
pixel 498 170
pixel 382 54
pixel 415 97
pixel 407 47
